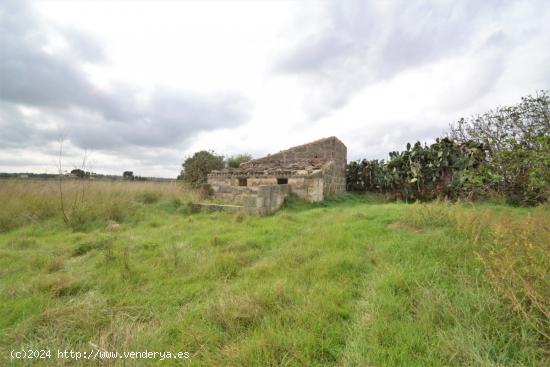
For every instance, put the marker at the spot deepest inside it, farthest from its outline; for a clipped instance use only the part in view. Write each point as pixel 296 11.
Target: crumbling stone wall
pixel 308 187
pixel 334 180
pixel 225 188
pixel 312 171
pixel 327 149
pixel 266 200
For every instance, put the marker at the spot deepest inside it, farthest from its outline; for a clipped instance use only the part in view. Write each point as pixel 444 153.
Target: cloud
pixel 43 67
pixel 166 118
pixel 360 43
pixel 376 74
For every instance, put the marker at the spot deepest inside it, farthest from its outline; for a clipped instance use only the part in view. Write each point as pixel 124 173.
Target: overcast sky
pixel 141 85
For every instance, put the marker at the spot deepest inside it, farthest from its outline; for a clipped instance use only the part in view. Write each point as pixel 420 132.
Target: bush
pixel 197 167
pixel 235 161
pixel 517 139
pixel 419 172
pixel 502 152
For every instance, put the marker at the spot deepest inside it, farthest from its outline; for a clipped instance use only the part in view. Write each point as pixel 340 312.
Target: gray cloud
pixel 364 42
pixel 92 118
pixel 29 75
pixel 167 118
pixel 14 130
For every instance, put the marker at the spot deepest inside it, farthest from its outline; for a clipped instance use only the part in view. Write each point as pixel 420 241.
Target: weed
pixel 149 197
pixel 29 202
pixel 515 252
pixel 239 217
pixel 310 285
pixel 235 312
pixel 23 242
pixel 216 241
pixel 58 284
pixel 126 258
pixel 85 247
pixel 55 264
pixel 175 252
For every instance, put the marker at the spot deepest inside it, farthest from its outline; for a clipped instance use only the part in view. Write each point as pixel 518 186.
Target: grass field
pixel 353 281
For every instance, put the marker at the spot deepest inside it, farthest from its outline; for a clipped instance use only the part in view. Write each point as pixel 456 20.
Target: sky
pixel 141 85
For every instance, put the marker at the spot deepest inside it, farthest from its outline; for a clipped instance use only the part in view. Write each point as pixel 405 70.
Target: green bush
pixel 235 161
pixel 504 152
pixel 197 167
pixel 517 139
pixel 419 172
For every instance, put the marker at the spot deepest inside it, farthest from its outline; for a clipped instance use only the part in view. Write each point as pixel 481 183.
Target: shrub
pixel 505 152
pixel 235 161
pixel 419 172
pixel 197 167
pixel 517 139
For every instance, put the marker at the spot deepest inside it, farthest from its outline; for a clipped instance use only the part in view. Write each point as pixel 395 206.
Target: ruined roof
pixel 296 168
pixel 300 160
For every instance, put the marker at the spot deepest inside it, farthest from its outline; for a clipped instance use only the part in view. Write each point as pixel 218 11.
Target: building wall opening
pixel 282 181
pixel 242 182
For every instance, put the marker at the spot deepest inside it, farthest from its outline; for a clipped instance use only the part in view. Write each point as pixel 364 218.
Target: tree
pixel 504 127
pixel 128 175
pixel 78 173
pixel 196 168
pixel 517 141
pixel 236 160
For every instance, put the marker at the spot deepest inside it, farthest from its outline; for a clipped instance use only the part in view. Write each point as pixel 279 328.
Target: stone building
pixel 312 171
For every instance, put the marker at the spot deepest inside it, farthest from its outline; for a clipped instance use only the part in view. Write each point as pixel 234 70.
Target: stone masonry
pixel 312 171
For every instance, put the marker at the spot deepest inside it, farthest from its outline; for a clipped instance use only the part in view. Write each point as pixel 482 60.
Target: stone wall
pixel 309 188
pixel 334 179
pixel 266 200
pixel 228 189
pixel 327 149
pixel 321 172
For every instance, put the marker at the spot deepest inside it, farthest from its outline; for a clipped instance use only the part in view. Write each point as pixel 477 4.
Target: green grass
pixel 348 282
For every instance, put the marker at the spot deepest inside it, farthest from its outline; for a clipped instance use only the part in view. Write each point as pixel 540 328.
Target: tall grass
pixel 81 202
pixel 514 249
pixel 332 284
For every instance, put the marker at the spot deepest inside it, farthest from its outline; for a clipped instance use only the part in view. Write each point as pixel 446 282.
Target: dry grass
pixel 518 264
pixel 335 284
pixel 235 312
pixel 84 202
pixel 515 250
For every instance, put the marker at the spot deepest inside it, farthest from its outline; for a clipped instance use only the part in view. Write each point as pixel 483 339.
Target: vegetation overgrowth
pixel 350 281
pixel 504 152
pixel 83 202
pixel 195 169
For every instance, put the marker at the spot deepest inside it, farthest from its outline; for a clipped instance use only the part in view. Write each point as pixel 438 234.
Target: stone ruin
pixel 312 171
